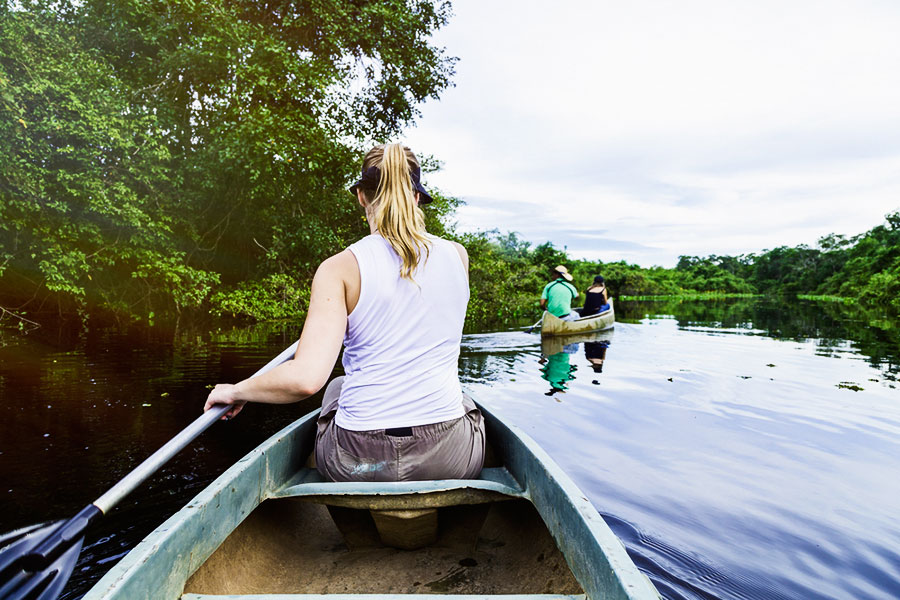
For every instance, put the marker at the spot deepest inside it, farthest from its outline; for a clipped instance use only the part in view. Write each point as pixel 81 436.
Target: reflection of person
pixel 558 294
pixel 397 300
pixel 557 371
pixel 595 353
pixel 596 298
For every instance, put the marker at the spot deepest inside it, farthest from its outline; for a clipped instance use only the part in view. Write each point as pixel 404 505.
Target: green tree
pixel 712 274
pixel 84 199
pixel 871 267
pixel 158 149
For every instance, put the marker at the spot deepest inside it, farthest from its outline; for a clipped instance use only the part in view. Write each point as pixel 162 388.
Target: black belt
pixel 399 432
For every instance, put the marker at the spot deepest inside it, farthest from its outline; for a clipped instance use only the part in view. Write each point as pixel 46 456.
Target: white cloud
pixel 672 128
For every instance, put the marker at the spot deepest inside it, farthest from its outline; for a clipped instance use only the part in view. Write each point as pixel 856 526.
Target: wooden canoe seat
pixel 383 597
pixel 493 485
pixel 405 514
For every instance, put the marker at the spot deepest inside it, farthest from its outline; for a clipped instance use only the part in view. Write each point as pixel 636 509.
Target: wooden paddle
pixel 541 320
pixel 36 561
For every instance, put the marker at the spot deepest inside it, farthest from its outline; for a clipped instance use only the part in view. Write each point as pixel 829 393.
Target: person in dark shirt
pixel 595 352
pixel 596 300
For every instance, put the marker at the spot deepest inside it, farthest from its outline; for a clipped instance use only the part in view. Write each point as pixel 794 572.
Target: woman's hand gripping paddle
pixel 36 561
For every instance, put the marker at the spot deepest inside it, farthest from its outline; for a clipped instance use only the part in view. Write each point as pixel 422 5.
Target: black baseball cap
pixel 371 177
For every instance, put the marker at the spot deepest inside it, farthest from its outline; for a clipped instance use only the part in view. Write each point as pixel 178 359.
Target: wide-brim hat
pixel 564 272
pixel 371 177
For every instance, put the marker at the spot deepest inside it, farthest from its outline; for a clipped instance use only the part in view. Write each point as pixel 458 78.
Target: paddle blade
pixel 36 561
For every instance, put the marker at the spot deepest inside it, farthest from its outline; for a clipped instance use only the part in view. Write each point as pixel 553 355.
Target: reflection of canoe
pixel 551 345
pixel 267 526
pixel 555 326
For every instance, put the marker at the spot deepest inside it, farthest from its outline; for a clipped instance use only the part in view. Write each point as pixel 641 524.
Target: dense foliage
pixel 865 268
pixel 157 153
pixel 163 156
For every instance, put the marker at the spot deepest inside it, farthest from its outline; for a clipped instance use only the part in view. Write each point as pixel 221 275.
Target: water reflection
pixel 835 328
pixel 720 444
pixel 595 353
pixel 558 352
pixel 497 356
pixel 557 370
pixel 81 406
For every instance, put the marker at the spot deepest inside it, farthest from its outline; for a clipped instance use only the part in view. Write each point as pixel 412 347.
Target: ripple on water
pixel 747 471
pixel 719 450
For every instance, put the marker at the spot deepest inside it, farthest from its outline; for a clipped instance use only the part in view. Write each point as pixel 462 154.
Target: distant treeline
pixel 165 158
pixel 864 269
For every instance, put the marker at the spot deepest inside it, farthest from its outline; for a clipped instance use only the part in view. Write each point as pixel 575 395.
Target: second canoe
pixel 551 325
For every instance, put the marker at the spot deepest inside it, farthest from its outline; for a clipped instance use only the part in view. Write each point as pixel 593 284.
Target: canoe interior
pixel 488 543
pixel 291 546
pixel 270 525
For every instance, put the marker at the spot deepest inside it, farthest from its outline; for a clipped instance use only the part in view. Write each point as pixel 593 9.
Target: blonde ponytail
pixel 398 217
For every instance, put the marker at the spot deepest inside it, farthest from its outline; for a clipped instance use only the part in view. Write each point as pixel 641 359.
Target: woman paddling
pixel 397 301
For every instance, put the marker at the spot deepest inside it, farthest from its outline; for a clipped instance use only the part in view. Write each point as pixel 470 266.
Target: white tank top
pixel 401 349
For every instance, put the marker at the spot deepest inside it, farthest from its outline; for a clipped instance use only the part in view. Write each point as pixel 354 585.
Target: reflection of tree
pixel 86 404
pixel 483 366
pixel 831 324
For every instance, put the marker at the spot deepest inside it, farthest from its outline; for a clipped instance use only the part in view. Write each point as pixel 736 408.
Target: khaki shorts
pixel 447 450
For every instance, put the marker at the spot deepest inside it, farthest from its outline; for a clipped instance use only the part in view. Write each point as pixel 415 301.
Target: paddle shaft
pixel 177 443
pixel 36 562
pixel 541 320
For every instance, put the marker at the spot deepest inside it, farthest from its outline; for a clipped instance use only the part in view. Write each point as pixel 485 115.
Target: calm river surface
pixel 740 450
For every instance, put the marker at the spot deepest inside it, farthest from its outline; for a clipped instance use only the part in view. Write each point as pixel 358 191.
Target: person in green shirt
pixel 558 294
pixel 558 371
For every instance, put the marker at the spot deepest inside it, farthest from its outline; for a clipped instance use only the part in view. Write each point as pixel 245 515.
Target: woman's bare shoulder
pixel 342 266
pixel 340 270
pixel 339 262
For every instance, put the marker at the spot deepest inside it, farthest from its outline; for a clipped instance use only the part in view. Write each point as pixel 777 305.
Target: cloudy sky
pixel 647 129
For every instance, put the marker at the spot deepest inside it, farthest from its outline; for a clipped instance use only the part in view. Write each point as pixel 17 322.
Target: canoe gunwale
pixel 551 325
pixel 600 564
pixel 210 516
pixel 168 556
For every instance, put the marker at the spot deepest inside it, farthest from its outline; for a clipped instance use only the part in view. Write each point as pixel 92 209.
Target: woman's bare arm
pixel 320 344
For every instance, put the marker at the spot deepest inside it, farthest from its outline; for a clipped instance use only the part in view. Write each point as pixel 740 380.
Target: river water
pixel 740 450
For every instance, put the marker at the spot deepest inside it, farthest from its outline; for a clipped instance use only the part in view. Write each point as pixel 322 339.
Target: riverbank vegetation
pixel 168 159
pixel 862 269
pixel 185 157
